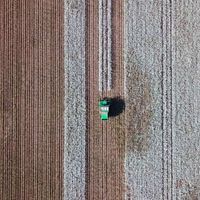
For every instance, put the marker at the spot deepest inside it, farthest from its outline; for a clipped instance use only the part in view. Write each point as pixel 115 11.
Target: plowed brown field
pixel 106 140
pixel 31 99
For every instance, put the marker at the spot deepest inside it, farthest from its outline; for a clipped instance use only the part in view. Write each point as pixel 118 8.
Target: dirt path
pixel 31 99
pixel 105 160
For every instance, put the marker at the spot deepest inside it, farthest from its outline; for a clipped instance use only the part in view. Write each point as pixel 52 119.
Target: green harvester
pixel 104 105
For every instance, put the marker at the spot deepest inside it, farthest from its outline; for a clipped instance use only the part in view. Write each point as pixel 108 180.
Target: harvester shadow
pixel 117 106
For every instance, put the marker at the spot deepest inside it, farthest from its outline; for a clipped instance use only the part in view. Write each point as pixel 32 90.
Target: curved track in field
pixel 105 140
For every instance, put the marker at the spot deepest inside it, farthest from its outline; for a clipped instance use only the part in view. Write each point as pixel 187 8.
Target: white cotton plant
pixel 105 45
pixel 109 45
pixel 100 45
pixel 75 105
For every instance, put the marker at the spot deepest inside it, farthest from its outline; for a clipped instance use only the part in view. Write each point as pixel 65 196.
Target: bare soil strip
pixel 106 148
pixel 31 99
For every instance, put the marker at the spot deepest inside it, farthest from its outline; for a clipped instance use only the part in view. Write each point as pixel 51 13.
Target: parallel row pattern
pixel 185 47
pixel 31 99
pixel 162 91
pixel 75 119
pixel 105 45
pixel 105 159
pixel 145 154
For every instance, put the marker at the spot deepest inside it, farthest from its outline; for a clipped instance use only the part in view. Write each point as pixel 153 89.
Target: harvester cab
pixel 104 105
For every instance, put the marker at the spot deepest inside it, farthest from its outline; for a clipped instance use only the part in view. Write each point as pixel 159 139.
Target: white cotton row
pixel 105 34
pixel 109 47
pixel 100 44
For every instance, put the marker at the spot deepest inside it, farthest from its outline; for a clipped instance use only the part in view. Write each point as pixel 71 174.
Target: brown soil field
pixel 31 99
pixel 105 139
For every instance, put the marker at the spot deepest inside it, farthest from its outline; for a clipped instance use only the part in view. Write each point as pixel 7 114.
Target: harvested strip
pixel 94 136
pixel 105 149
pixel 31 118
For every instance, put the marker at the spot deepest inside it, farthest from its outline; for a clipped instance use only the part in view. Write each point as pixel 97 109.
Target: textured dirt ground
pixel 105 140
pixel 31 99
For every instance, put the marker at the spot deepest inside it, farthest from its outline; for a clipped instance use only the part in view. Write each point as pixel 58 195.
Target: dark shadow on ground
pixel 117 106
